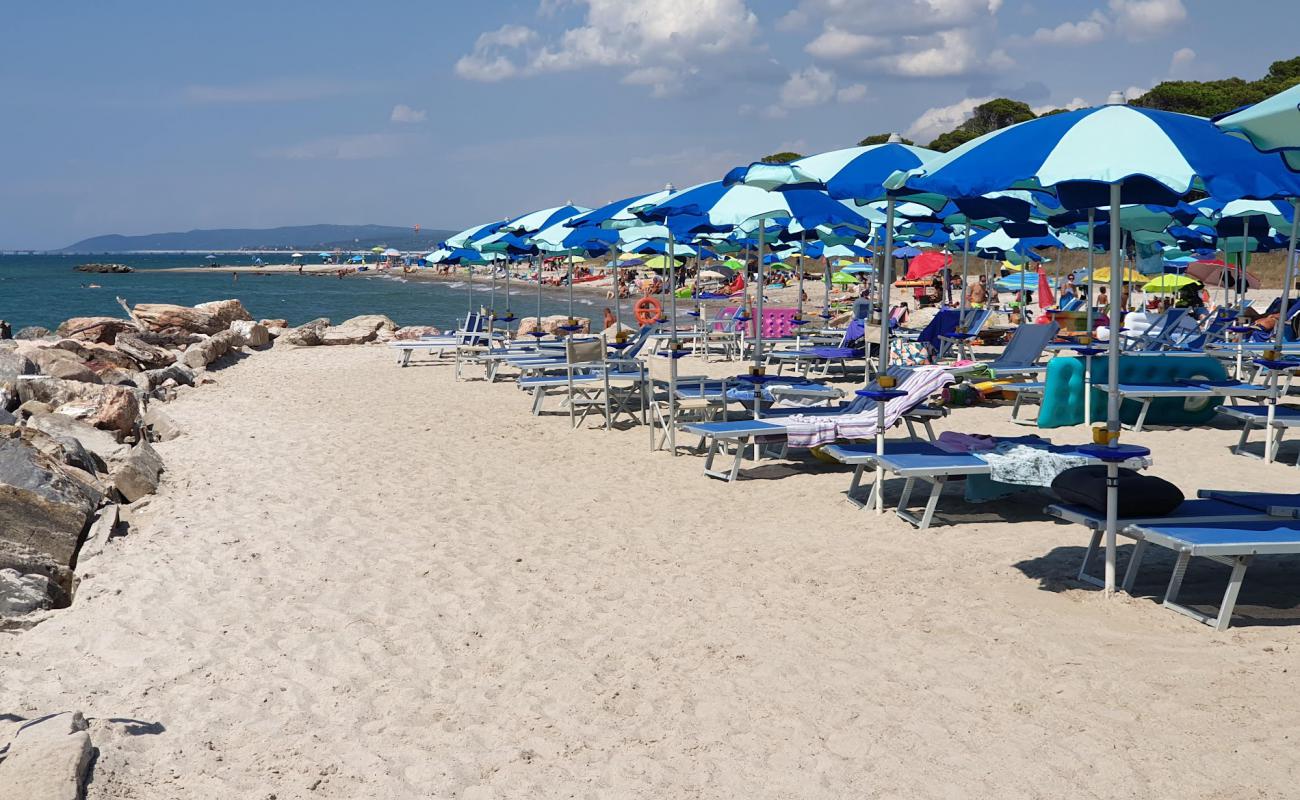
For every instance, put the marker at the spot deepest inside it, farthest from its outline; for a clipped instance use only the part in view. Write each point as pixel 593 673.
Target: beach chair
pixel 1232 543
pixel 969 329
pixel 474 332
pixel 858 418
pixel 1275 420
pixel 594 381
pixel 804 358
pixel 1022 354
pixel 679 399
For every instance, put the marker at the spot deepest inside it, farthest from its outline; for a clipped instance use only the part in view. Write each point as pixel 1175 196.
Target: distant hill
pixel 297 237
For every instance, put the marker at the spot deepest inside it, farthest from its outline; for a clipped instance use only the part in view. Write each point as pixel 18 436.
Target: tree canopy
pixel 784 157
pixel 880 138
pixel 1208 98
pixel 987 117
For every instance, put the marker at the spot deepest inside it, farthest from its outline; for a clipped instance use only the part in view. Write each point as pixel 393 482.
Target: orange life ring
pixel 647 310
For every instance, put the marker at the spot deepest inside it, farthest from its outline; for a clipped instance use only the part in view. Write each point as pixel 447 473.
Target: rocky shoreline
pixel 79 409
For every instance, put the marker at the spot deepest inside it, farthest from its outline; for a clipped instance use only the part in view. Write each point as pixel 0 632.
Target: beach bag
pixel 903 353
pixel 1139 495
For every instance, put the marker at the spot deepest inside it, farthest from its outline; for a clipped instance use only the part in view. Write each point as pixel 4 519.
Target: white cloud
pixel 852 94
pixel 941 119
pixel 810 86
pixel 1144 19
pixel 834 43
pixel 1074 104
pixel 404 113
pixel 949 54
pixel 1085 31
pixel 658 41
pixel 343 148
pixel 900 16
pixel 792 20
pixel 488 61
pixel 1181 60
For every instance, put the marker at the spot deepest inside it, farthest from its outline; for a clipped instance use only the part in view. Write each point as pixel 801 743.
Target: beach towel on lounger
pixel 810 430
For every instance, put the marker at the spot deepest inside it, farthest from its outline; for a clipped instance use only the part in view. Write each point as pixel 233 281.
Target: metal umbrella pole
pixel 618 293
pixel 883 379
pixel 673 347
pixel 1113 398
pixel 1270 444
pixel 1088 322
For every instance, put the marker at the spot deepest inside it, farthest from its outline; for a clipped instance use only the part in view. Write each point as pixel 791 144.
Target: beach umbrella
pixel 927 264
pixel 1018 282
pixel 851 268
pixel 1045 297
pixel 1127 275
pixel 470 235
pixel 392 251
pixel 1218 273
pixel 377 250
pixel 1167 284
pixel 854 172
pixel 1271 125
pixel 843 278
pixel 1111 155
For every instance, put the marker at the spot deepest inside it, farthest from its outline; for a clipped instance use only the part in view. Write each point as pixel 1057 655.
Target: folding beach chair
pixel 679 399
pixel 593 383
pixel 804 358
pixel 1022 354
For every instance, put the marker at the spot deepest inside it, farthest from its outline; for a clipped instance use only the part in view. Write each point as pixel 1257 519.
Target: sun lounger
pixel 1146 394
pixel 1022 354
pixel 1250 417
pixel 1234 544
pixel 1205 510
pixel 1275 504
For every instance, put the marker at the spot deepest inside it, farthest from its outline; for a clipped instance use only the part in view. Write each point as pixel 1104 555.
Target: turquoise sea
pixel 45 290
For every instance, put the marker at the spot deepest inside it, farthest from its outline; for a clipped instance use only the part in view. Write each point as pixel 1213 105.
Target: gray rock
pixel 101 530
pixel 7 418
pixel 358 330
pixel 149 356
pixel 64 364
pixel 115 408
pixel 160 425
pixel 32 332
pixel 12 365
pixel 308 334
pixel 137 474
pixel 32 407
pixel 20 594
pixel 42 508
pixel 254 334
pixel 116 376
pixel 48 759
pixel 178 373
pixel 205 352
pixel 103 445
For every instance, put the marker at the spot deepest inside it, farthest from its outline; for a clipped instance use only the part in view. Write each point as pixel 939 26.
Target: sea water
pixel 44 290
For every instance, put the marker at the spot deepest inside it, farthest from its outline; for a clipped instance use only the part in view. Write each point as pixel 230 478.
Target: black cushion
pixel 1139 495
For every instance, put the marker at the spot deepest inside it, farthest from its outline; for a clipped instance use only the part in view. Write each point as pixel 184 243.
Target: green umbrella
pixel 843 278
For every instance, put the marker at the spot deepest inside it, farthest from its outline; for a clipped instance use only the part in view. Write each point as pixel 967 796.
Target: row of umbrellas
pixel 1094 178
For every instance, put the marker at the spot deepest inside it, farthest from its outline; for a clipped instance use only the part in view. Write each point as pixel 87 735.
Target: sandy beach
pixel 364 581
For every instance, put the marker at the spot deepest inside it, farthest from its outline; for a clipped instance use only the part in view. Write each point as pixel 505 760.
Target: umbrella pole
pixel 1288 274
pixel 826 281
pixel 508 315
pixel 571 288
pixel 469 288
pixel 618 294
pixel 538 258
pixel 758 323
pixel 886 278
pixel 1112 387
pixel 673 348
pixel 1087 360
pixel 964 344
pixel 799 312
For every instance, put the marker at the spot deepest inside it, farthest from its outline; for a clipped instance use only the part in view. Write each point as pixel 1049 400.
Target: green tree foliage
pixel 987 117
pixel 781 158
pixel 1208 98
pixel 880 138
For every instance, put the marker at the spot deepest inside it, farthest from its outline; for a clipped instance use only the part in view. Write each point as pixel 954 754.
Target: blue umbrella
pixel 1271 125
pixel 907 251
pixel 855 172
pixel 1108 156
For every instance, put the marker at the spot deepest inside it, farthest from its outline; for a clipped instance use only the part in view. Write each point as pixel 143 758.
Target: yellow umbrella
pixel 1130 275
pixel 1167 284
pixel 1009 267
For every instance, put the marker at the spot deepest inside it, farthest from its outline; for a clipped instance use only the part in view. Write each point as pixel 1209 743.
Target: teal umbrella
pixel 1272 125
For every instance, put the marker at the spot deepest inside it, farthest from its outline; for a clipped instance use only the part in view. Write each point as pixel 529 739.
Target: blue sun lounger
pixel 1205 510
pixel 1234 544
pixel 1250 417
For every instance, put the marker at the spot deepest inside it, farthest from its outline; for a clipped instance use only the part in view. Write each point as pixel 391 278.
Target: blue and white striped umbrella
pixel 470 235
pixel 1156 156
pixel 545 218
pixel 716 206
pixel 1271 125
pixel 1108 156
pixel 621 213
pixel 851 173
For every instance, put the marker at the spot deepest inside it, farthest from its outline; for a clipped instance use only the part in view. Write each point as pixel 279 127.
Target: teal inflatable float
pixel 1063 393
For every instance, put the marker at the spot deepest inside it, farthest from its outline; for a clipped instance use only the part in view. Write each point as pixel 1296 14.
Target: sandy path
pixel 361 581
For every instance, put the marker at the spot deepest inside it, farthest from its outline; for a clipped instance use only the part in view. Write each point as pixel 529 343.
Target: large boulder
pixel 415 332
pixel 137 474
pixel 102 445
pixel 94 329
pixel 104 356
pixel 48 759
pixel 162 428
pixel 197 356
pixel 551 325
pixel 22 593
pixel 226 311
pixel 309 334
pixel 64 364
pixel 112 408
pixel 358 330
pixel 42 509
pixel 149 356
pixel 165 316
pixel 32 332
pixel 66 449
pixel 176 374
pixel 14 364
pixel 254 334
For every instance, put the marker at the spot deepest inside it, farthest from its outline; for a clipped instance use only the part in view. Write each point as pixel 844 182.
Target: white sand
pixel 366 582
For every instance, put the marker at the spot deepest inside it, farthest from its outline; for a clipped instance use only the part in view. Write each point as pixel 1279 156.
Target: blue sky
pixel 137 116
